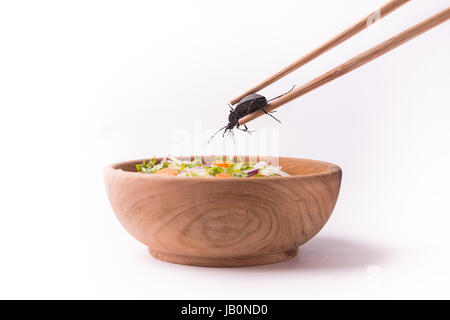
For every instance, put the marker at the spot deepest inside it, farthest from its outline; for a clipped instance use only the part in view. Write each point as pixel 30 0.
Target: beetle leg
pixel 245 130
pixel 230 133
pixel 232 136
pixel 230 106
pixel 268 113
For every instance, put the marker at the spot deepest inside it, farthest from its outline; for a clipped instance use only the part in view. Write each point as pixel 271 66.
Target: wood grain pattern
pixel 224 222
pixel 338 39
pixel 354 63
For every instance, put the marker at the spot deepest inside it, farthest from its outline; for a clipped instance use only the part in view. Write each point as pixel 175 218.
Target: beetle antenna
pixel 216 133
pixel 282 94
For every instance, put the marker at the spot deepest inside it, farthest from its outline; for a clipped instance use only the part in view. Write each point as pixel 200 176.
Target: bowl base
pixel 224 261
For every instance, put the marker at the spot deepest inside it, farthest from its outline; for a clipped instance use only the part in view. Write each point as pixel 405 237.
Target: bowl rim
pixel 333 169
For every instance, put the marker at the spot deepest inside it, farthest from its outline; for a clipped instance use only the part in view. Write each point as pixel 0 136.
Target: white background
pixel 87 83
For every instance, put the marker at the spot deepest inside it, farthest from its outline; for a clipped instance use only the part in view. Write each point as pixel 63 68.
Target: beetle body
pixel 250 103
pixel 245 106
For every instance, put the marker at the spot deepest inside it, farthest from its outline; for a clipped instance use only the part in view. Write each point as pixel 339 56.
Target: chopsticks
pixel 349 65
pixel 341 37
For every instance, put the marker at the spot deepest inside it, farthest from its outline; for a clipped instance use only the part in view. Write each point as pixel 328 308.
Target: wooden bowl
pixel 224 222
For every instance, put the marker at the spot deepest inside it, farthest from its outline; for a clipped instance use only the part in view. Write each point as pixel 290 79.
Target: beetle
pixel 245 106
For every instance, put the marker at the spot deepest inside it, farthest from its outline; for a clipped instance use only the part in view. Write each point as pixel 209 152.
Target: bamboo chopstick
pixel 354 63
pixel 341 37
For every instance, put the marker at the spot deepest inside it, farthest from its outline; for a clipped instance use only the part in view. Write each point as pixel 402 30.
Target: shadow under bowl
pixel 224 222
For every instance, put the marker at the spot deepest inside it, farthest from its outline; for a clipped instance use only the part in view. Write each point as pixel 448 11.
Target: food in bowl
pixel 172 166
